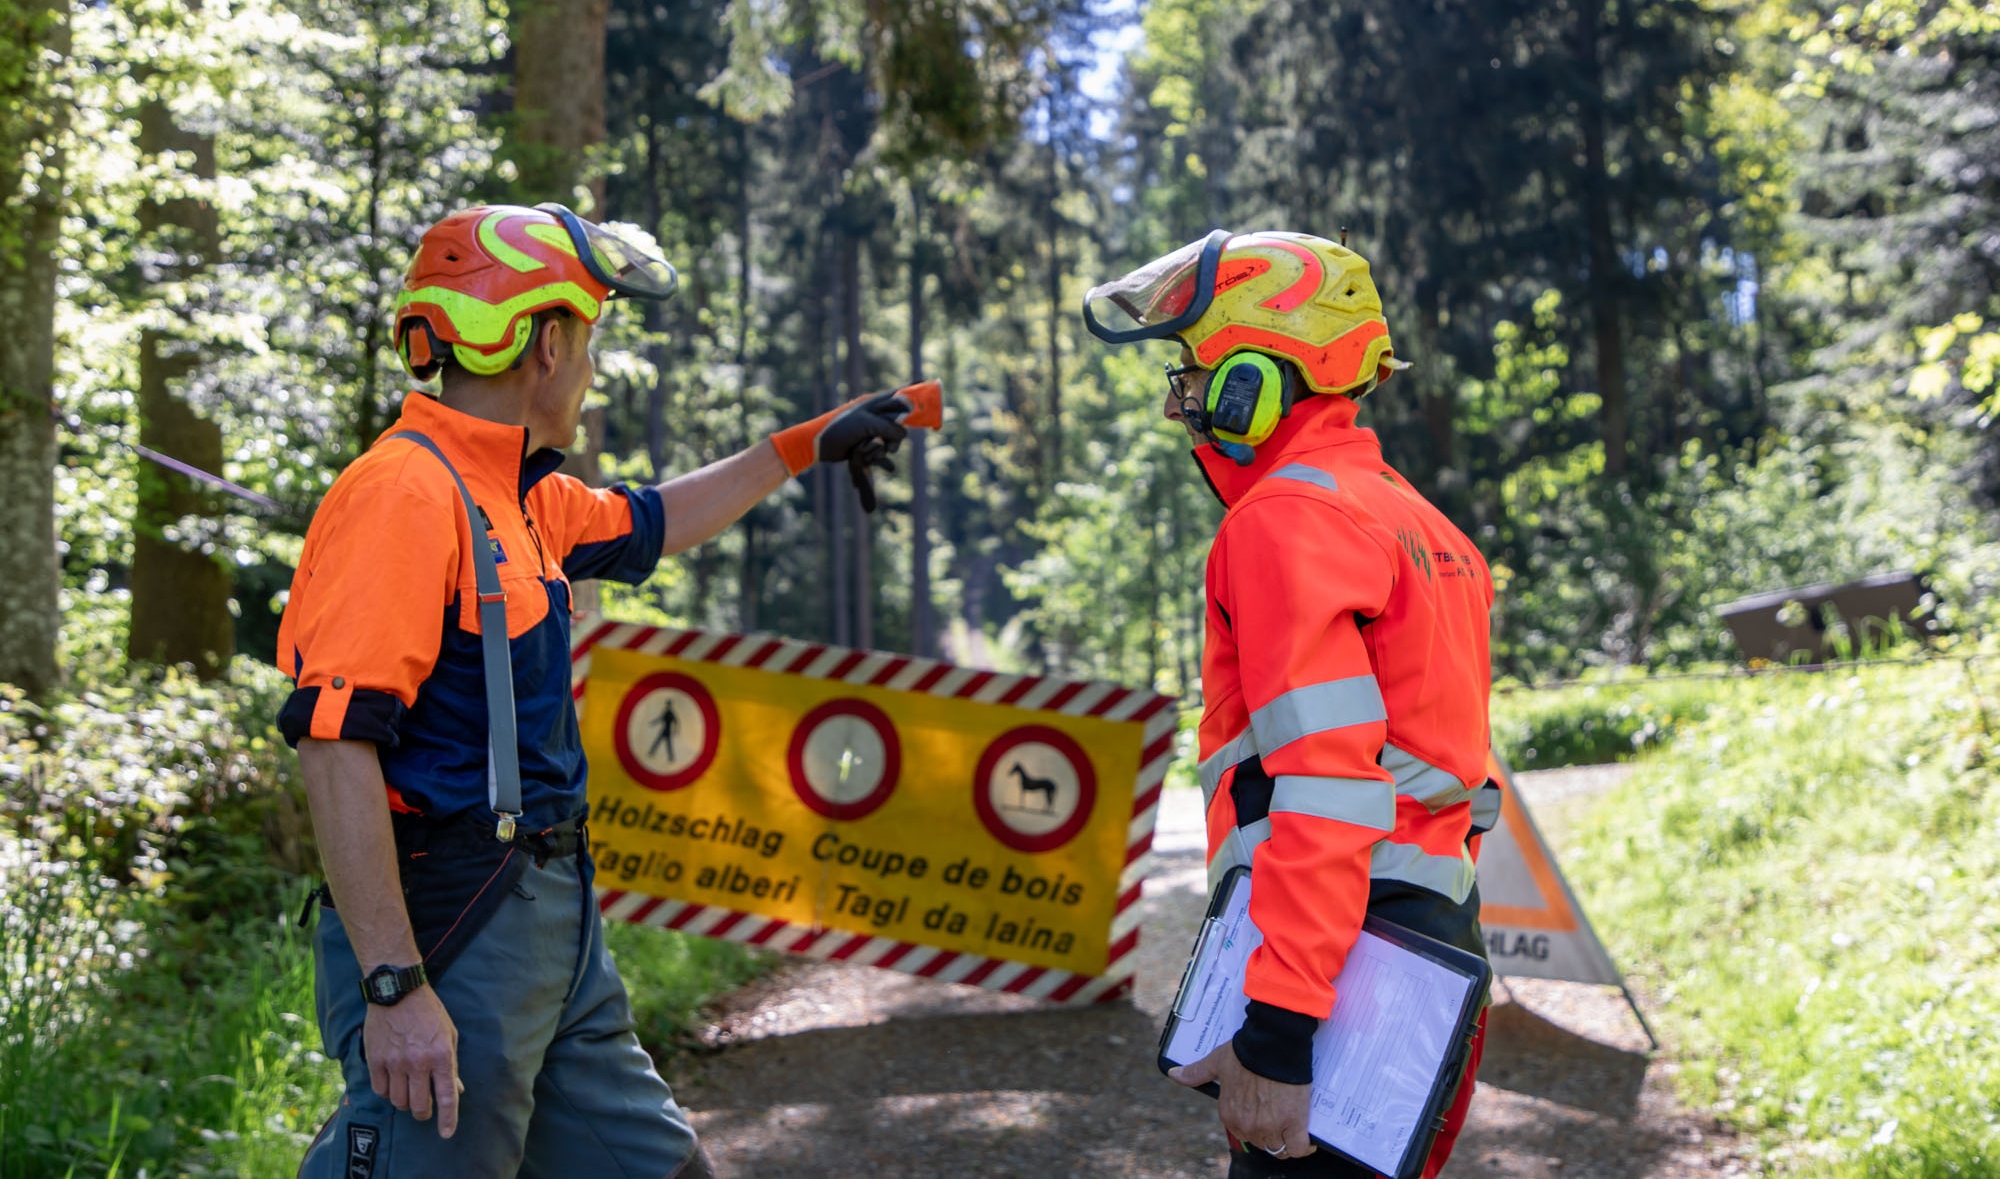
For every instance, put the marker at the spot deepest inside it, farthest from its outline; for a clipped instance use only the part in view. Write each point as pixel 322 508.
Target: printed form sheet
pixel 1394 1015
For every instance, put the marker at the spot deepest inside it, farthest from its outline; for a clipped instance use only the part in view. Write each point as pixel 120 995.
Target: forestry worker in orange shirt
pixel 1345 677
pixel 463 984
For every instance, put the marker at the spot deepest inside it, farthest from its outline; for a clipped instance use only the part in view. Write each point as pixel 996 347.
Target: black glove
pixel 862 434
pixel 872 453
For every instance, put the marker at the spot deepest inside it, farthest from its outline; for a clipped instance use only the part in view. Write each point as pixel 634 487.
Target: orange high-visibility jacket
pixel 1344 738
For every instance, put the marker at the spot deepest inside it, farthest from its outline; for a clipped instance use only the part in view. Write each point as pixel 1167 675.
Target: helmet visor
pixel 1160 298
pixel 618 260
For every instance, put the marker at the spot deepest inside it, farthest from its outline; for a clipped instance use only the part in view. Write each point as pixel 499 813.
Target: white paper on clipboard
pixel 1395 1016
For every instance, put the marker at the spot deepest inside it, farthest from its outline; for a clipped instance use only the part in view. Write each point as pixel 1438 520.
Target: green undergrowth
pixel 156 997
pixel 1590 724
pixel 1806 883
pixel 671 977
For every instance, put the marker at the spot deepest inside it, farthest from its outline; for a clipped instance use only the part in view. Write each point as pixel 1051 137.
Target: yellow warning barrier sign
pixel 928 818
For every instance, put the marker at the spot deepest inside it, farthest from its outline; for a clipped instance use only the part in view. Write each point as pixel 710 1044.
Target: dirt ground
pixel 824 1069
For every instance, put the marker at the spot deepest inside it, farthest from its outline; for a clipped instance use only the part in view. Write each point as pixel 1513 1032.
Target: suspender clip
pixel 503 827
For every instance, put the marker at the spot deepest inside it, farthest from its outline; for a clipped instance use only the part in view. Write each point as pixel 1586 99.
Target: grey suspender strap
pixel 503 754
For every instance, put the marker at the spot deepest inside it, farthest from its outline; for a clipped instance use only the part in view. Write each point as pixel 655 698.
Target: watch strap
pixel 405 979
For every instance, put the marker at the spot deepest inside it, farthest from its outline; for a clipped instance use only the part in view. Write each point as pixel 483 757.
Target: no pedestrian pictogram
pixel 667 731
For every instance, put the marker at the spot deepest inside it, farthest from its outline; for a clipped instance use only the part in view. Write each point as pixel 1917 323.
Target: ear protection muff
pixel 1247 398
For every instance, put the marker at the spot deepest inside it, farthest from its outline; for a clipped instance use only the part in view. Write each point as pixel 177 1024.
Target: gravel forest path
pixel 824 1069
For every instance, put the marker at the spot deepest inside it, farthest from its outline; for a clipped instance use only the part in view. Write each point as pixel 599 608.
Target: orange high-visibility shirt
pixel 1345 675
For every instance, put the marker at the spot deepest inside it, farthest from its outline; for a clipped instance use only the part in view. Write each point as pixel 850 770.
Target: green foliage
pixel 1115 590
pixel 1804 881
pixel 1594 724
pixel 144 837
pixel 153 845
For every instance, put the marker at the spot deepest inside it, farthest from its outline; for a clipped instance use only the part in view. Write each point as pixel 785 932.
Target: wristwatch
pixel 386 985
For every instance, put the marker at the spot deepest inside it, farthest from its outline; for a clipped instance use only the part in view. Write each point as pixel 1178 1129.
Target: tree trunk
pixel 558 122
pixel 1440 413
pixel 370 417
pixel 29 572
pixel 864 541
pixel 1606 334
pixel 922 642
pixel 837 497
pixel 559 100
pixel 1055 277
pixel 180 582
pixel 747 577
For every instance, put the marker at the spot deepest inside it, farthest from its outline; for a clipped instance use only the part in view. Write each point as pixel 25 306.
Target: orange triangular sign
pixel 1533 924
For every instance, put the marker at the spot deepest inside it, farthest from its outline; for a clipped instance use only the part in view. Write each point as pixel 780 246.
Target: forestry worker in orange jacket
pixel 1344 740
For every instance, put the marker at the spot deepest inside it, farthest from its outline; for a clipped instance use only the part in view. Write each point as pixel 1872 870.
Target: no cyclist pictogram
pixel 844 759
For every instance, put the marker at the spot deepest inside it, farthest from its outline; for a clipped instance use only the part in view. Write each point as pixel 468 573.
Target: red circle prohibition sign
pixel 982 790
pixel 711 726
pixel 892 759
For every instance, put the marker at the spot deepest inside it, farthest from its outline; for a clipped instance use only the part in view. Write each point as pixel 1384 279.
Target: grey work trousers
pixel 556 1084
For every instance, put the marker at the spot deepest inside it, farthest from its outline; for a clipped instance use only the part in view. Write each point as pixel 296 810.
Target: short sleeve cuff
pixel 341 714
pixel 630 558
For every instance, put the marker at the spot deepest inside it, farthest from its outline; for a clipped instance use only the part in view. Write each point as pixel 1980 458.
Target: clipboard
pixel 1386 1065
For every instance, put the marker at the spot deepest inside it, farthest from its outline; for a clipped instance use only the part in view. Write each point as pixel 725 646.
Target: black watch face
pixel 384 984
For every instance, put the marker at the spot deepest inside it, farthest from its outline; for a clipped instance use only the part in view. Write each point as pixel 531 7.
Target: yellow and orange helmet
pixel 1289 295
pixel 480 275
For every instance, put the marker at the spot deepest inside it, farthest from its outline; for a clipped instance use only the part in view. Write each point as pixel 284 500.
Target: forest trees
pixel 1663 266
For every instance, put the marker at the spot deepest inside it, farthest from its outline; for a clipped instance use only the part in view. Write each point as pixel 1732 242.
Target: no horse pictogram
pixel 1034 788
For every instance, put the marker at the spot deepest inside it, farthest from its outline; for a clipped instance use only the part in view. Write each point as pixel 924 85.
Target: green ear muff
pixel 1246 399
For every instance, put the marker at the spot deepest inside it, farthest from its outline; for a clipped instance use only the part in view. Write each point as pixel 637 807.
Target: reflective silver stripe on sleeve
pixel 1305 474
pixel 1485 808
pixel 1316 708
pixel 1237 749
pixel 1450 876
pixel 1416 778
pixel 1236 849
pixel 1361 801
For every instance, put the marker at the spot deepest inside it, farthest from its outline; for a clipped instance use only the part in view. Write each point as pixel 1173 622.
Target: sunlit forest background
pixel 1703 298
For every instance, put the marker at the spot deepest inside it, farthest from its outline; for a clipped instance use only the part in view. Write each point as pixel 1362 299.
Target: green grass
pixel 1592 724
pixel 672 976
pixel 199 1057
pixel 1806 883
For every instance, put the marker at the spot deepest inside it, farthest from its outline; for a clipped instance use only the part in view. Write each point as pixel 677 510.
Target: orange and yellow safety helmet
pixel 480 275
pixel 1290 295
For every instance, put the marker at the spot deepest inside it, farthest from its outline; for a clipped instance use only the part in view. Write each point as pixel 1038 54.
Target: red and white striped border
pixel 934 677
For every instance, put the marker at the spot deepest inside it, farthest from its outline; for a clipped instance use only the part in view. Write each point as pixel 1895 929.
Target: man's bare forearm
pixel 350 813
pixel 702 503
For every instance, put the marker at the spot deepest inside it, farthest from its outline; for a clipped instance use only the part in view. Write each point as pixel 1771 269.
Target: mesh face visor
pixel 1164 296
pixel 625 267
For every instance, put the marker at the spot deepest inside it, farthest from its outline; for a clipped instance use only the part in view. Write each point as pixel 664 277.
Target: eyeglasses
pixel 1176 375
pixel 1191 407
